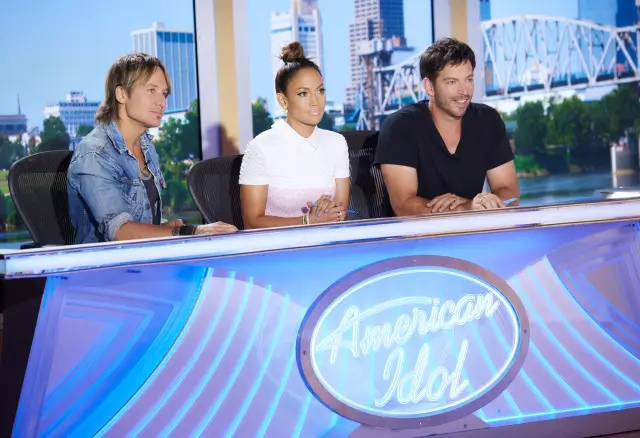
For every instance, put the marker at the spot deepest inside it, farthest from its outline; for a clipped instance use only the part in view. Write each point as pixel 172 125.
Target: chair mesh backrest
pixel 368 193
pixel 214 187
pixel 38 186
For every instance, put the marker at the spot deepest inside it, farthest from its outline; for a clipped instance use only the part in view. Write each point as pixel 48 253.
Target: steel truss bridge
pixel 522 55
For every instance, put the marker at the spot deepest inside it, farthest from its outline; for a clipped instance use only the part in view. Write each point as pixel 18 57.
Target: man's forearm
pixel 412 206
pixel 137 230
pixel 505 193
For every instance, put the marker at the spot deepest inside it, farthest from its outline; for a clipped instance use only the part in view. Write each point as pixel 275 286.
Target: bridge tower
pixel 374 55
pixel 388 85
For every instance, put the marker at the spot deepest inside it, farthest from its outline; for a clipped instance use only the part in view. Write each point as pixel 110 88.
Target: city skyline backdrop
pixel 45 70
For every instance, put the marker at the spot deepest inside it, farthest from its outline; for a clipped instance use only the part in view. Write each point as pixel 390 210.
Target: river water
pixel 558 189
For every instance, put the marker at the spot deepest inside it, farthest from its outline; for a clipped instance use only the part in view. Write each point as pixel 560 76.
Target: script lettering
pixel 411 388
pixel 375 337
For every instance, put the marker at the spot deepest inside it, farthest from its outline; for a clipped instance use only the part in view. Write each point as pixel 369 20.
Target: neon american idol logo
pixel 413 342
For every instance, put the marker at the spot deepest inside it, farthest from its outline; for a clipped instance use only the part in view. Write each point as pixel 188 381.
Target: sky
pixel 50 48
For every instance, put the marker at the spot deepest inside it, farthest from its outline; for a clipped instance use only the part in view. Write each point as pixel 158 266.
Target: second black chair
pixel 368 193
pixel 214 187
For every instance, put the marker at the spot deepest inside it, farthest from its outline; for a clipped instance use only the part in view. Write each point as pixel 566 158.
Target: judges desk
pixel 522 322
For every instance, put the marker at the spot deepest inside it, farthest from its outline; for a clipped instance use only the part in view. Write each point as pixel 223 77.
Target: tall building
pixel 485 10
pixel 301 23
pixel 176 49
pixel 74 112
pixel 598 11
pixel 13 125
pixel 373 19
pixel 617 13
pixel 627 13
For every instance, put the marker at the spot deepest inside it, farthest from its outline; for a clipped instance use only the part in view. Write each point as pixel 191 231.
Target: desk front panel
pixel 314 342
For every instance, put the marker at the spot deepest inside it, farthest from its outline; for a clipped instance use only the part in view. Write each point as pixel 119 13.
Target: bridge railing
pixel 535 53
pixel 524 54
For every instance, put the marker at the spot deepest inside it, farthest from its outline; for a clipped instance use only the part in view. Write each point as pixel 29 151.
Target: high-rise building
pixel 598 11
pixel 485 10
pixel 74 112
pixel 373 19
pixel 176 50
pixel 13 125
pixel 627 13
pixel 301 23
pixel 617 13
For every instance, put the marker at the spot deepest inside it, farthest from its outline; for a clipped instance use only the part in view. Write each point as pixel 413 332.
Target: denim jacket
pixel 104 185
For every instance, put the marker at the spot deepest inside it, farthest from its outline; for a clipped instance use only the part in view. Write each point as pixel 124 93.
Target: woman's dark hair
pixel 294 61
pixel 126 72
pixel 445 51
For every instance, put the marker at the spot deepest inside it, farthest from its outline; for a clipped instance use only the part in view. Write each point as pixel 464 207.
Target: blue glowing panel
pixel 212 349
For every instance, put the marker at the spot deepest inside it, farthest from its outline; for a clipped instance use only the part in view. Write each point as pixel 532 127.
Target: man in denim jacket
pixel 114 179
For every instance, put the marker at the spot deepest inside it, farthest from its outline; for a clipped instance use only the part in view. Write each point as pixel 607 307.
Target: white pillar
pixel 223 76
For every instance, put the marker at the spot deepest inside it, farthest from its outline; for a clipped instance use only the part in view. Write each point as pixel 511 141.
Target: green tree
pixel 32 147
pixel 54 136
pixel 327 122
pixel 177 197
pixel 177 144
pixel 169 148
pixel 83 130
pixel 617 113
pixel 189 136
pixel 508 116
pixel 5 152
pixel 169 144
pixel 531 129
pixel 262 119
pixel 10 152
pixel 569 124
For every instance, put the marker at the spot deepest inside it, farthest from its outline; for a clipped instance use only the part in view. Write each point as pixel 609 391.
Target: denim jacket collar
pixel 114 135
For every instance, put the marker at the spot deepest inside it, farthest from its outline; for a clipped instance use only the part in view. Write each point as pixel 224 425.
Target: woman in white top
pixel 295 173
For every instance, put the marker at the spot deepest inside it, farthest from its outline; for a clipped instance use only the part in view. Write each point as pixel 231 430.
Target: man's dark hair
pixel 445 51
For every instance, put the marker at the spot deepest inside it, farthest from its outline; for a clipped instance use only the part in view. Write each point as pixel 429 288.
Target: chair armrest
pixel 30 245
pixel 33 245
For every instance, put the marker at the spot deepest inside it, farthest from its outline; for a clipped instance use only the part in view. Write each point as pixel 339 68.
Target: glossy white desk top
pixel 61 259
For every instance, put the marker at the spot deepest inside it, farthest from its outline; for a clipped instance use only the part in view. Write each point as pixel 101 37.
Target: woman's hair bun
pixel 292 52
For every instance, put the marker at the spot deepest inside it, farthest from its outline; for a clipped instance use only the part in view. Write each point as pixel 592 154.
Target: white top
pixel 296 169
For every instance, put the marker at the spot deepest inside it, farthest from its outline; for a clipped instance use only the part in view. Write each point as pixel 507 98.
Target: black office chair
pixel 38 187
pixel 214 187
pixel 368 192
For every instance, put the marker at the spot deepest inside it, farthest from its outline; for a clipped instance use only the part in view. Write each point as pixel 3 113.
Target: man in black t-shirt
pixel 436 154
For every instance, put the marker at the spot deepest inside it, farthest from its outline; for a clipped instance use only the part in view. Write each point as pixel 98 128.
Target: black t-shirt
pixel 154 198
pixel 410 138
